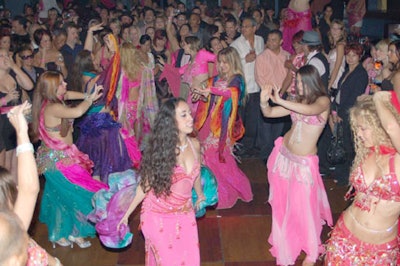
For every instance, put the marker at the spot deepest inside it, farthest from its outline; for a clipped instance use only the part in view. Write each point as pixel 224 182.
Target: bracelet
pixel 87 98
pixel 201 198
pixel 58 263
pixel 263 106
pixel 25 147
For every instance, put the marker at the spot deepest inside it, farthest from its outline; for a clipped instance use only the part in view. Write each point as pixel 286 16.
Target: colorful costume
pixel 100 135
pixel 111 204
pixel 169 224
pixel 219 128
pixel 344 248
pixel 36 254
pixel 298 61
pixel 356 10
pixel 292 23
pixel 68 189
pixel 298 200
pixel 138 114
pixel 199 66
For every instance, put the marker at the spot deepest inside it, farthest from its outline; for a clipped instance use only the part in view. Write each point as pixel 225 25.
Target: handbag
pixel 336 153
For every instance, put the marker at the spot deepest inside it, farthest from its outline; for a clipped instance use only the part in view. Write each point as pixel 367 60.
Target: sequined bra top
pixel 316 120
pixel 385 187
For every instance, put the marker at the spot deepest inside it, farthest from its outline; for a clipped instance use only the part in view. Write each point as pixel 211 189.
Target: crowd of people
pixel 155 105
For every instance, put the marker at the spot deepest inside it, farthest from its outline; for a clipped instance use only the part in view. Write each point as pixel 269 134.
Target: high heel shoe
pixel 79 241
pixel 62 242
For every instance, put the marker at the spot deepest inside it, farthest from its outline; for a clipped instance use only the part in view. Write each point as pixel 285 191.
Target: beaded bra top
pixel 385 187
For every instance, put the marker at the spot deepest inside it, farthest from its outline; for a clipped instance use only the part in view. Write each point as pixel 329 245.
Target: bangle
pixel 25 147
pixel 58 263
pixel 87 98
pixel 263 106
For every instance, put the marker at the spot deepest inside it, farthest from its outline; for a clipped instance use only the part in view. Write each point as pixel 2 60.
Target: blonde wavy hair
pixel 365 110
pixel 132 60
pixel 342 39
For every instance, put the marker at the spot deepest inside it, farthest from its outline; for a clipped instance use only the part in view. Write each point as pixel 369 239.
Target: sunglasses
pixel 26 57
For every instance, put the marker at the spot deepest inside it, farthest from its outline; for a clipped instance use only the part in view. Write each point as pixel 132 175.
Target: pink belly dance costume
pixel 298 199
pixel 168 223
pixel 198 67
pixel 343 248
pixel 293 22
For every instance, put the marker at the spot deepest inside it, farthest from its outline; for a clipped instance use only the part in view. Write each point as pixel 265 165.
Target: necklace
pixel 182 148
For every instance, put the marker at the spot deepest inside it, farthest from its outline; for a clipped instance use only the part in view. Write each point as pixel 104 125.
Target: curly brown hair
pixel 159 156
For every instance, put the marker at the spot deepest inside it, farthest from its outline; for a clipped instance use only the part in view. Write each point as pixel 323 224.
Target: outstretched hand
pixel 275 95
pixel 17 117
pixel 265 94
pixel 96 27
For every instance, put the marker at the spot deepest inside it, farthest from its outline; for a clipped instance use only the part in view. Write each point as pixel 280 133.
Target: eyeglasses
pixel 26 57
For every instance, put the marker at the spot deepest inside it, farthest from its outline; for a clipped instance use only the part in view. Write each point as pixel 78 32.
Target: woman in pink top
pixel 169 170
pixel 196 71
pixel 367 231
pixel 296 192
pixel 297 16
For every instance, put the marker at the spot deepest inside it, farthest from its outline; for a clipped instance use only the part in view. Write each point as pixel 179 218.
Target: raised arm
pixel 89 37
pixel 388 120
pixel 28 180
pixel 171 34
pixel 62 111
pixel 266 109
pixel 23 80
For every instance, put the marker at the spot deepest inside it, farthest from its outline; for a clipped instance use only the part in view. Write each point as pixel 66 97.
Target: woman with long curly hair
pixel 367 231
pixel 169 169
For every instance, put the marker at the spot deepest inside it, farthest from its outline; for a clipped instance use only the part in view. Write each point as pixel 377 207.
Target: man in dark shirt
pixel 20 36
pixel 71 47
pixel 261 29
pixel 231 30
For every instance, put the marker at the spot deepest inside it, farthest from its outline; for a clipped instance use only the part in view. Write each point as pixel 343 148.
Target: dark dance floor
pixel 234 237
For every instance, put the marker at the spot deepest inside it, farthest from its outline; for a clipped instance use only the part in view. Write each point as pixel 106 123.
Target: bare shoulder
pixel 323 100
pixel 196 143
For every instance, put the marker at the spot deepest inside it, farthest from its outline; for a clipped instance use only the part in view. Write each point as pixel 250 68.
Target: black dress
pixel 7 132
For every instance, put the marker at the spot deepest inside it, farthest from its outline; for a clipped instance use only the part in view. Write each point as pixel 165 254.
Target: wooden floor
pixel 233 237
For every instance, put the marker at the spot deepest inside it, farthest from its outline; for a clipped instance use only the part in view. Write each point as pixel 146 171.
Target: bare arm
pixel 172 35
pixel 287 81
pixel 140 194
pixel 22 79
pixel 61 111
pixel 266 109
pixel 388 120
pixel 89 37
pixel 338 63
pixel 28 180
pixel 197 183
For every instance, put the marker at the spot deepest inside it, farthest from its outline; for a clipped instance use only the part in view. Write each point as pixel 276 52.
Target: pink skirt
pixel 233 184
pixel 170 238
pixel 299 204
